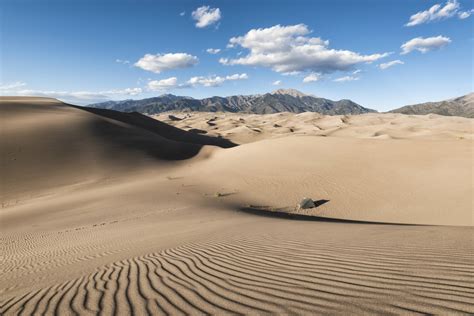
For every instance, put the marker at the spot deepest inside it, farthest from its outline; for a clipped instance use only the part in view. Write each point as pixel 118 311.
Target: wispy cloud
pixel 276 82
pixel 75 97
pixel 214 81
pixel 213 51
pixel 346 79
pixel 122 61
pixel 12 86
pixel 465 14
pixel 209 81
pixel 424 44
pixel 389 64
pixel 439 12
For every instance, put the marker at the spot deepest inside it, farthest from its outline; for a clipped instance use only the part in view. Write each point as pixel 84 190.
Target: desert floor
pixel 119 213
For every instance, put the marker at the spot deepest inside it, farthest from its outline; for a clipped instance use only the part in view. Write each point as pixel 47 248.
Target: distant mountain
pixel 282 100
pixel 462 106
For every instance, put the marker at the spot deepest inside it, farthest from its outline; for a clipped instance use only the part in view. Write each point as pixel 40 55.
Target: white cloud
pixel 75 97
pixel 390 64
pixel 346 78
pixel 78 97
pixel 355 72
pixel 210 81
pixel 438 12
pixel 291 73
pixel 162 62
pixel 289 49
pixel 206 16
pixel 312 78
pixel 276 83
pixel 121 61
pixel 425 44
pixel 465 14
pixel 12 86
pixel 213 50
pixel 182 13
pixel 127 91
pixel 164 84
pixel 214 81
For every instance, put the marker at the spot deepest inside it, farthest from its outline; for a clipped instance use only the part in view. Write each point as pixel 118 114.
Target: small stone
pixel 306 203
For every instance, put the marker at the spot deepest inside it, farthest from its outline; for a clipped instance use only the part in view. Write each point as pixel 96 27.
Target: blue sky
pixel 88 51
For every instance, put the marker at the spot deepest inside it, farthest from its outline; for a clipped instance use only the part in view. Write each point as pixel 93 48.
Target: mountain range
pixel 462 106
pixel 281 100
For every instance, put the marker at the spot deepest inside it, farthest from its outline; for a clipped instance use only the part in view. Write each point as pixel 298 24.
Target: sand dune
pixel 47 144
pixel 362 179
pixel 112 212
pixel 244 128
pixel 372 167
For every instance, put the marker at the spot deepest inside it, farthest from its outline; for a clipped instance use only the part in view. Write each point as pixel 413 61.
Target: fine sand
pixel 124 214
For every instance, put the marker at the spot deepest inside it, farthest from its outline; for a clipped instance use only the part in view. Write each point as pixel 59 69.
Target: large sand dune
pixel 127 215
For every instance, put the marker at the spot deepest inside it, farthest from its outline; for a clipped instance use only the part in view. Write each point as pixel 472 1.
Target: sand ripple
pixel 265 275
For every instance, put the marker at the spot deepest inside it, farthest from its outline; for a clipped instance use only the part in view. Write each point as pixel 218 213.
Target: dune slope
pixel 396 181
pixel 47 144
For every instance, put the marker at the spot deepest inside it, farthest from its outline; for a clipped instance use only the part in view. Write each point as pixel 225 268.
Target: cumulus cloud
pixel 439 12
pixel 389 64
pixel 311 78
pixel 213 51
pixel 424 44
pixel 75 97
pixel 289 49
pixel 276 83
pixel 214 81
pixel 162 62
pixel 346 78
pixel 205 16
pixel 164 84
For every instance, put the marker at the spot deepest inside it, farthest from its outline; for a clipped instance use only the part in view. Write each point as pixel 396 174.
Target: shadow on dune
pixel 140 133
pixel 167 131
pixel 267 211
pixel 46 143
pixel 120 142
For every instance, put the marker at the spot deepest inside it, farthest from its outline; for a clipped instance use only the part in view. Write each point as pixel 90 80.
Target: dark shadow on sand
pixel 267 211
pixel 164 130
pixel 140 133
